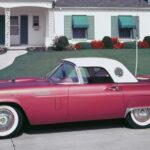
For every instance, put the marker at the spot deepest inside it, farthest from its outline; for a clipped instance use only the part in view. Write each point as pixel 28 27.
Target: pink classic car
pixel 79 89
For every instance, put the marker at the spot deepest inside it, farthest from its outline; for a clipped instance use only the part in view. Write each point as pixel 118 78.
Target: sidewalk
pixel 8 58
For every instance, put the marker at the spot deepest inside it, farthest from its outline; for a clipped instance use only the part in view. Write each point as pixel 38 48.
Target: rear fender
pixel 137 102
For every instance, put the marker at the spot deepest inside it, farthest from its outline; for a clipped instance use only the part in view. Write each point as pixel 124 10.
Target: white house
pixel 94 19
pixel 37 22
pixel 26 22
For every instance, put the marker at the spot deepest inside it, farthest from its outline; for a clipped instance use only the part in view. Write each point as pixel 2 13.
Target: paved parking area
pixel 99 135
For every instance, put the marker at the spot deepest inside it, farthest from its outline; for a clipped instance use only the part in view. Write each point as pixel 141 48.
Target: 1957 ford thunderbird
pixel 79 89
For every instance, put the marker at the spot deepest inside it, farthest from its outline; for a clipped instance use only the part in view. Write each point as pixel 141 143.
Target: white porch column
pixel 50 29
pixel 7 27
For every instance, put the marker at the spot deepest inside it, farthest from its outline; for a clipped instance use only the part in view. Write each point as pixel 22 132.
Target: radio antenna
pixel 137 37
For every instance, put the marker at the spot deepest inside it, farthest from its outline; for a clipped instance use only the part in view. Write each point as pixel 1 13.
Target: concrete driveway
pixel 97 135
pixel 8 58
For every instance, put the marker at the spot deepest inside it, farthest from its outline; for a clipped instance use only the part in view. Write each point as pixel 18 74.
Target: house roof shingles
pixel 10 1
pixel 102 3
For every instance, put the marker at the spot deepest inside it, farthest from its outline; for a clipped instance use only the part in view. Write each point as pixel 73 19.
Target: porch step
pixel 18 48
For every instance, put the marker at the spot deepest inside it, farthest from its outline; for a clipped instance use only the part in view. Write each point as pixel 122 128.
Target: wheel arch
pixel 128 110
pixel 13 104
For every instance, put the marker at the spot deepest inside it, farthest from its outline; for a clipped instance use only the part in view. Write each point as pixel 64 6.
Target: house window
pixel 127 27
pixel 14 25
pixel 126 33
pixel 80 26
pixel 35 21
pixel 79 33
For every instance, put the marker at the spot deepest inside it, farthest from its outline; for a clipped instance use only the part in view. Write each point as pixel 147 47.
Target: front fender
pixel 11 101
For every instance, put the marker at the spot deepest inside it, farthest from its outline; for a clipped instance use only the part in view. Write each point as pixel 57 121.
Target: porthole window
pixel 118 72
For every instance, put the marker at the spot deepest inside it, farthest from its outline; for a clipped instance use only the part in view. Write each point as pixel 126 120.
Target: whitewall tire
pixel 139 118
pixel 10 121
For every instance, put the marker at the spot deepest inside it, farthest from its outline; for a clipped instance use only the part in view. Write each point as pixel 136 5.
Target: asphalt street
pixel 97 135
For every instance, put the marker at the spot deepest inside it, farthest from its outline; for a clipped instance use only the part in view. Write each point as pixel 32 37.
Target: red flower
pixel 97 44
pixel 118 45
pixel 77 46
pixel 143 44
pixel 114 40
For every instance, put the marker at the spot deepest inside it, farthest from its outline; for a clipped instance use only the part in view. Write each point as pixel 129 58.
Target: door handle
pixel 114 88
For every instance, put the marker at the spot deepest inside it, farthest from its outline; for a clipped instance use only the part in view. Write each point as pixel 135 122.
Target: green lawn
pixel 39 63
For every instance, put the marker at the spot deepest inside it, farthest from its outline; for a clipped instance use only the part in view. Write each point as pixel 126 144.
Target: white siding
pixel 35 37
pixel 103 20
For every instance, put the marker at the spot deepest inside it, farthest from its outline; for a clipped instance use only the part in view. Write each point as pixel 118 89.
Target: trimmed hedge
pixel 129 45
pixel 107 42
pixel 85 45
pixel 60 43
pixel 147 39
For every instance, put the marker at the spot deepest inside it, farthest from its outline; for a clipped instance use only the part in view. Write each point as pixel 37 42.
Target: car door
pixel 97 98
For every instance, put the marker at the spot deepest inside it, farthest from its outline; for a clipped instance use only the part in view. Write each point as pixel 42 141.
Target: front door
pixel 2 30
pixel 14 30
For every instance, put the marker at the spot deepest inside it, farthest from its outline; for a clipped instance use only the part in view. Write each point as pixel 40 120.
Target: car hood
pixel 19 80
pixel 23 82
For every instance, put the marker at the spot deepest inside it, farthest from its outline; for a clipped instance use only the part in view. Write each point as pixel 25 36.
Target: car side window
pixel 95 75
pixel 66 73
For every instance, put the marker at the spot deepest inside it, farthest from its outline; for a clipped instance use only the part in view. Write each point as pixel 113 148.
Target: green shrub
pixel 130 45
pixel 107 42
pixel 85 45
pixel 60 43
pixel 147 39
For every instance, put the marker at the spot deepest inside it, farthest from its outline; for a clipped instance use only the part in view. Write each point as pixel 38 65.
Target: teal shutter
pixel 24 29
pixel 2 29
pixel 114 26
pixel 136 31
pixel 68 26
pixel 91 29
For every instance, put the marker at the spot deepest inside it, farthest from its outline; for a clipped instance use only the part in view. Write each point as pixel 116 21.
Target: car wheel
pixel 139 118
pixel 11 120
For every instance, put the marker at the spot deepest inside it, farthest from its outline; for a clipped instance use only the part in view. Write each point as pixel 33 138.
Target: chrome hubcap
pixel 142 115
pixel 6 120
pixel 3 120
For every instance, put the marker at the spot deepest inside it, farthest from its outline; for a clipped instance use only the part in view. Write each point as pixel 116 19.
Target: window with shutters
pixel 79 27
pixel 125 26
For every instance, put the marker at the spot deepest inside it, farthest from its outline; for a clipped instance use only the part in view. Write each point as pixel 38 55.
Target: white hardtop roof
pixel 109 64
pixel 91 61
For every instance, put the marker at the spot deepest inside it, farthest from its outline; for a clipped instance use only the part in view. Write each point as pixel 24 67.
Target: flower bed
pixel 143 44
pixel 62 43
pixel 97 44
pixel 111 43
